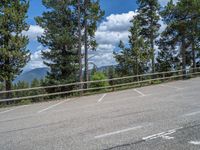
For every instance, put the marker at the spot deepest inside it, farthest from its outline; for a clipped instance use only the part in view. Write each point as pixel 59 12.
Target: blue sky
pixel 110 7
pixel 111 30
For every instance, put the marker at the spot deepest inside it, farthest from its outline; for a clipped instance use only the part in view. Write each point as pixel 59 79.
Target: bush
pixel 99 76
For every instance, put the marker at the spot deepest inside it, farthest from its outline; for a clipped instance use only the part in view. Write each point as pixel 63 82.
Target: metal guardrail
pixel 162 76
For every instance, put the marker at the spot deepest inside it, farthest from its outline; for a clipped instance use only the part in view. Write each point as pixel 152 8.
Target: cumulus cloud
pixel 36 61
pixel 108 35
pixel 113 29
pixel 33 32
pixel 164 2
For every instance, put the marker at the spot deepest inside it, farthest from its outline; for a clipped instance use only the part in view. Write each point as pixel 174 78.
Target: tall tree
pixel 193 9
pixel 92 13
pixel 132 59
pixel 179 31
pixel 13 52
pixel 60 29
pixel 148 15
pixel 167 59
pixel 79 2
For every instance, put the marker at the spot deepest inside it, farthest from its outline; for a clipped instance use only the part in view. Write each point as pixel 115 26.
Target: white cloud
pixel 36 61
pixel 33 32
pixel 164 2
pixel 108 35
pixel 117 22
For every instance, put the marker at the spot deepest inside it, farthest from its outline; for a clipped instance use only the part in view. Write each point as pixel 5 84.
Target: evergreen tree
pixel 92 13
pixel 132 59
pixel 13 52
pixel 21 85
pixel 37 83
pixel 167 59
pixel 179 31
pixel 193 9
pixel 148 16
pixel 60 25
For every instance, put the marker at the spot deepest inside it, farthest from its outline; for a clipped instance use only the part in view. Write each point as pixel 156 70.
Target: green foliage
pixel 21 85
pixel 132 60
pixel 182 29
pixel 99 76
pixel 59 24
pixel 91 11
pixel 37 83
pixel 167 58
pixel 13 52
pixel 148 16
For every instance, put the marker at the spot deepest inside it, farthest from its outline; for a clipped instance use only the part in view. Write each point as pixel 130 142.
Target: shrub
pixel 99 76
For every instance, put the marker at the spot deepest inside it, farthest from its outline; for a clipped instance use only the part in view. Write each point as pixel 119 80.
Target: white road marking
pixel 167 137
pixel 194 142
pixel 153 136
pixel 117 132
pixel 52 106
pixel 9 110
pixel 163 135
pixel 192 114
pixel 173 87
pixel 101 98
pixel 139 92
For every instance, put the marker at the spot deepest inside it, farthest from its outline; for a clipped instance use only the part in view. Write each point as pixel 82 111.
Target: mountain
pixel 40 73
pixel 29 76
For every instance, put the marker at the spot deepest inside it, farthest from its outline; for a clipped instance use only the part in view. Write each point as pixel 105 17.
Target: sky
pixel 113 28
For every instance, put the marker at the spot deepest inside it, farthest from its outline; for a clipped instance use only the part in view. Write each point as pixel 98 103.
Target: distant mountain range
pixel 38 73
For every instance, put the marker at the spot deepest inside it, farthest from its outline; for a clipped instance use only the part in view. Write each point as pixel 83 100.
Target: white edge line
pixel 101 98
pixel 9 110
pixel 142 94
pixel 117 132
pixel 52 106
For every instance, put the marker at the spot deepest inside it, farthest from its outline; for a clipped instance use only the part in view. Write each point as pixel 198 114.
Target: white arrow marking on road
pixel 162 135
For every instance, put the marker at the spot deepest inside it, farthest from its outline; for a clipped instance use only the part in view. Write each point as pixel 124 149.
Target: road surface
pixel 158 117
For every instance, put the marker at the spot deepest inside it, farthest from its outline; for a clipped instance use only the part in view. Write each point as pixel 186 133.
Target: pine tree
pixel 179 30
pixel 132 60
pixel 13 52
pixel 148 16
pixel 193 9
pixel 60 25
pixel 167 59
pixel 92 13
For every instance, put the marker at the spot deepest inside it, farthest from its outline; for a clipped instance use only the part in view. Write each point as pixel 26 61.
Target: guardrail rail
pixel 49 92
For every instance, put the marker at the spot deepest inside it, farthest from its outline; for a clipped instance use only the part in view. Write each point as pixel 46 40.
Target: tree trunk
pixel 183 51
pixel 152 57
pixel 79 44
pixel 8 86
pixel 86 42
pixel 193 56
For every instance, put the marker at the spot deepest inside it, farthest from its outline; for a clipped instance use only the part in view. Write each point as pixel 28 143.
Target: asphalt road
pixel 159 117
